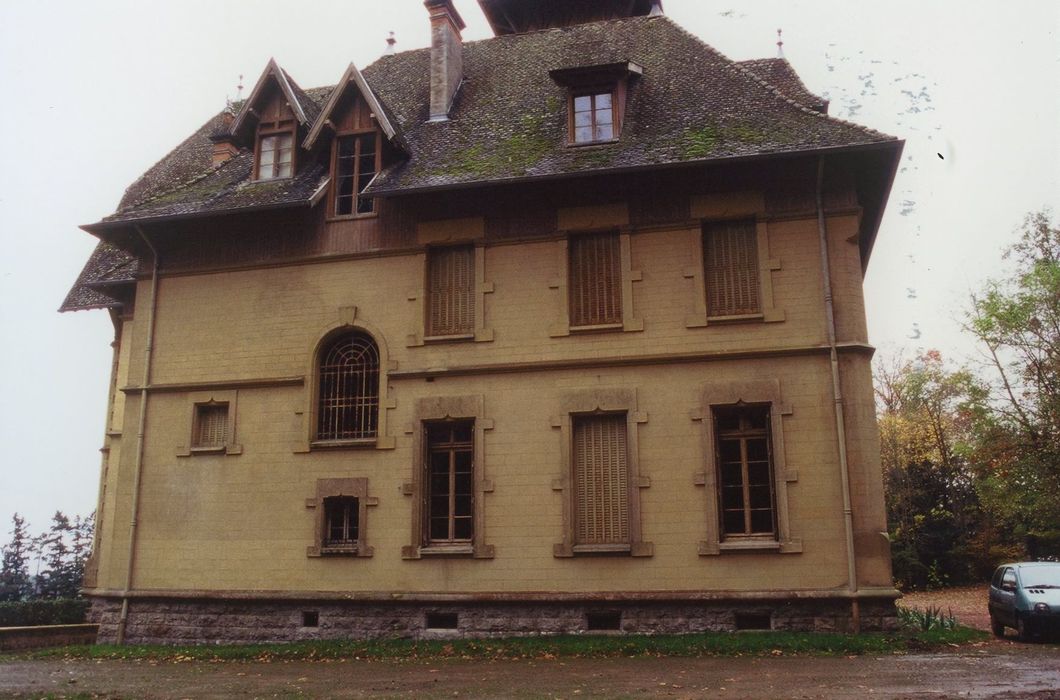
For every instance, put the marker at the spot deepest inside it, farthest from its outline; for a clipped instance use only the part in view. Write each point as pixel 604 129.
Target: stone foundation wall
pixel 223 621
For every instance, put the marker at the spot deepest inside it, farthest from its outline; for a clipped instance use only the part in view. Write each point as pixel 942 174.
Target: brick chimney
pixel 447 64
pixel 224 146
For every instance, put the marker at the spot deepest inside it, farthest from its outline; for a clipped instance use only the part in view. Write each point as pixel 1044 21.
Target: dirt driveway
pixel 991 669
pixel 968 604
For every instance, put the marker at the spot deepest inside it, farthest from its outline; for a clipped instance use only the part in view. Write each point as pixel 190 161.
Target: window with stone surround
pixel 746 498
pixel 596 290
pixel 340 511
pixel 601 481
pixel 745 474
pixel 449 482
pixel 211 424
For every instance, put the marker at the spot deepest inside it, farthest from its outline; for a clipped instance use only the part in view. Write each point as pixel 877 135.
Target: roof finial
pixel 239 88
pixel 780 43
pixel 390 41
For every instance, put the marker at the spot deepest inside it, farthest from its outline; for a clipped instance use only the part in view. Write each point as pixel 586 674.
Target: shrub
pixel 61 611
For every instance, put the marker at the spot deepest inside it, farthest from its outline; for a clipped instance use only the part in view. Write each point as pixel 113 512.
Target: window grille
pixel 745 466
pixel 211 425
pixel 601 480
pixel 355 166
pixel 348 403
pixel 595 279
pixel 275 156
pixel 450 482
pixel 341 522
pixel 730 252
pixel 451 298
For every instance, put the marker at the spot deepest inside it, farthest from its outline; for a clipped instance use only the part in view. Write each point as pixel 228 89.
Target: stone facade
pixel 209 622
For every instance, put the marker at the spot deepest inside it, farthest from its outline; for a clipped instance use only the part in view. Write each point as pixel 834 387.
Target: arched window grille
pixel 348 398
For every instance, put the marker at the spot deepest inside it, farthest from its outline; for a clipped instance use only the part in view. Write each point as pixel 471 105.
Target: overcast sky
pixel 96 91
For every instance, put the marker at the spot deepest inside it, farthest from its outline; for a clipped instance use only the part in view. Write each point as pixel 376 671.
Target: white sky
pixel 95 91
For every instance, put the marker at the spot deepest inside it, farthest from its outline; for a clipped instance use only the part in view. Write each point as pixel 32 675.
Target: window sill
pixel 597 328
pixel 270 179
pixel 601 549
pixel 339 444
pixel 205 451
pixel 750 545
pixel 448 338
pixel 735 318
pixel 350 550
pixel 219 449
pixel 448 550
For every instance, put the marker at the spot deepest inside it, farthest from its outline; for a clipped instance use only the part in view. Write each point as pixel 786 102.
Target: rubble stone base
pixel 198 621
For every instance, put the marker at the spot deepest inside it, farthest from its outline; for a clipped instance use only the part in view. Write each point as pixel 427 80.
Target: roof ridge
pixel 794 73
pixel 777 93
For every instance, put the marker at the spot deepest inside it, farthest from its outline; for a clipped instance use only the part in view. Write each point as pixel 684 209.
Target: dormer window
pixel 275 156
pixel 355 163
pixel 593 116
pixel 596 100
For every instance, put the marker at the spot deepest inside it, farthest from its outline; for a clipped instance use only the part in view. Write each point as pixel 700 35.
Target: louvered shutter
pixel 730 252
pixel 601 480
pixel 211 425
pixel 451 299
pixel 595 279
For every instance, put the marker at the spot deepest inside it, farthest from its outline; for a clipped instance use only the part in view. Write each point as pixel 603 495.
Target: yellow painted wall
pixel 239 522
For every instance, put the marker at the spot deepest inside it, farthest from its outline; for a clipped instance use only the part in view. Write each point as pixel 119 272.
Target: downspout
pixel 141 422
pixel 837 398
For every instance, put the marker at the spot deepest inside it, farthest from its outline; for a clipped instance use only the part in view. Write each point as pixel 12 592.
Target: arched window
pixel 348 396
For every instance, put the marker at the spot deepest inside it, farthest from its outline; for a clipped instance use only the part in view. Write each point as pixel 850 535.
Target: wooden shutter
pixel 601 480
pixel 595 279
pixel 730 252
pixel 451 286
pixel 211 425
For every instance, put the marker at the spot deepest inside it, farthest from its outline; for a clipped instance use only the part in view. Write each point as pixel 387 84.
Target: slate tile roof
pixel 509 120
pixel 509 123
pixel 106 266
pixel 778 72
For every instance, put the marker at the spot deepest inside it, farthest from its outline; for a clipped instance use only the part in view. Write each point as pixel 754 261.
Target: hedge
pixel 63 611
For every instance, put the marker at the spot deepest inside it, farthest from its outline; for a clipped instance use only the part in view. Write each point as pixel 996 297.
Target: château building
pixel 557 331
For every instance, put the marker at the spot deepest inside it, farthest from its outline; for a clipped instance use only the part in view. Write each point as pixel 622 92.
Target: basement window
pixel 603 621
pixel 310 618
pixel 754 621
pixel 442 621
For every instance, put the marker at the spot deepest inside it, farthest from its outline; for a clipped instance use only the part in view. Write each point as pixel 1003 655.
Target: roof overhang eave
pixel 101 227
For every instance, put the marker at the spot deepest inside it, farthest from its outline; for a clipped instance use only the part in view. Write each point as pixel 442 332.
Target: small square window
pixel 211 426
pixel 442 621
pixel 310 618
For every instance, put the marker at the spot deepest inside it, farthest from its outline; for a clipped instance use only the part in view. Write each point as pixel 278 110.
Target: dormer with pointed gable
pixel 362 137
pixel 273 119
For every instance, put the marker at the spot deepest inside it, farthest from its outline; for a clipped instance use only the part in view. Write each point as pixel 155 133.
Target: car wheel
pixel 996 627
pixel 1023 630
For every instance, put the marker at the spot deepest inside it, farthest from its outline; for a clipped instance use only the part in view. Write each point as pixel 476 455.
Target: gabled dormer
pixel 273 119
pixel 362 138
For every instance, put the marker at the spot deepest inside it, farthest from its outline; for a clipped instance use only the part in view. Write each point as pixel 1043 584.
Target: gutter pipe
pixel 837 399
pixel 141 422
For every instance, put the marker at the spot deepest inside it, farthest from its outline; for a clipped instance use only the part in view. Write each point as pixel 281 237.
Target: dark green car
pixel 1026 597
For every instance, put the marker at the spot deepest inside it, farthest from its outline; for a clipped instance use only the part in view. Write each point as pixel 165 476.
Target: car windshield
pixel 1042 577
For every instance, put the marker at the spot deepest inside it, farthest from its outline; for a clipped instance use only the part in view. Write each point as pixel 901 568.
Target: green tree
pixel 1016 321
pixel 60 578
pixel 926 413
pixel 14 574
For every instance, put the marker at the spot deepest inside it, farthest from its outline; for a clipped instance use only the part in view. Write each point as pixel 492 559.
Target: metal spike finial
pixel 780 43
pixel 239 88
pixel 390 41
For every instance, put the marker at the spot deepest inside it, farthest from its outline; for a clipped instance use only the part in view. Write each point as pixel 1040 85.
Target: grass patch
pixel 572 646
